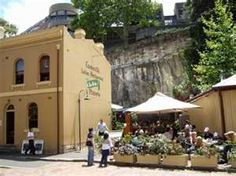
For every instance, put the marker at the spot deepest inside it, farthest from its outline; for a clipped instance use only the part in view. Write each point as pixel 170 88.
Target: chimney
pixel 80 34
pixel 2 30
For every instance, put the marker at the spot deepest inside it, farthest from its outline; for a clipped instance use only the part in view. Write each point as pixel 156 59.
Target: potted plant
pixel 232 157
pixel 175 155
pixel 205 157
pixel 125 151
pixel 149 152
pixel 125 154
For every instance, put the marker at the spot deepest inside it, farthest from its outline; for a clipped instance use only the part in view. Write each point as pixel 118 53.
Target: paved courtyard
pixel 80 168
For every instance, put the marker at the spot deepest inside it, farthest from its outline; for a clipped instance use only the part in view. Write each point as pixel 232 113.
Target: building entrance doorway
pixel 10 125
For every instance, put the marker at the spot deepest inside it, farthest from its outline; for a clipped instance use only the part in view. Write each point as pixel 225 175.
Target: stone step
pixel 8 148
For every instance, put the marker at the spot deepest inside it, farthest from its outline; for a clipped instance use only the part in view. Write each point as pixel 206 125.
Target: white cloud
pixel 26 13
pixel 168 6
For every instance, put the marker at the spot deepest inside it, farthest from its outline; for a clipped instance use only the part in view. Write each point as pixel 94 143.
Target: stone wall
pixel 146 67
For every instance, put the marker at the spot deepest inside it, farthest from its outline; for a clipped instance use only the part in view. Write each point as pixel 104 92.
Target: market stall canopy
pixel 231 81
pixel 116 107
pixel 161 103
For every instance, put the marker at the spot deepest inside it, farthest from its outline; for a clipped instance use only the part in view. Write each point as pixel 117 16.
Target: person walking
pixel 31 148
pixel 106 147
pixel 90 145
pixel 102 127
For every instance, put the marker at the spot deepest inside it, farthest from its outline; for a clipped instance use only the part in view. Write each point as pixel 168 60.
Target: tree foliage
pixel 10 29
pixel 196 9
pixel 218 59
pixel 97 16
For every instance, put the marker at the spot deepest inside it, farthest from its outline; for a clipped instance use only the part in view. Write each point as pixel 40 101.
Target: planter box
pixel 124 158
pixel 175 160
pixel 148 159
pixel 233 163
pixel 204 161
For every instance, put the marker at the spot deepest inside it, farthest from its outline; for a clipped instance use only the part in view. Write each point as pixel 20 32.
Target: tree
pixel 10 29
pixel 93 17
pixel 196 9
pixel 218 59
pixel 98 16
pixel 135 12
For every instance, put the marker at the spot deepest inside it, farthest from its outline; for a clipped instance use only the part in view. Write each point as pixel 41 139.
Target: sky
pixel 25 13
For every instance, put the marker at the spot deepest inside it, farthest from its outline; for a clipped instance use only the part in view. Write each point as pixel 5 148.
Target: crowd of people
pixel 102 131
pixel 189 137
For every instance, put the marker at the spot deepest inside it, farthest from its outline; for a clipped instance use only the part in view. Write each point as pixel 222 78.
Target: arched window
pixel 19 71
pixel 10 108
pixel 33 115
pixel 45 68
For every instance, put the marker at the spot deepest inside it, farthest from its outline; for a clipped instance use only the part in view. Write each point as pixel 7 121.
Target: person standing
pixel 90 145
pixel 228 145
pixel 31 148
pixel 102 127
pixel 106 147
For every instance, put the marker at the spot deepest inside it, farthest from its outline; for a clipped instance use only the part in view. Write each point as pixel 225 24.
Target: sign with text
pixel 93 83
pixel 38 144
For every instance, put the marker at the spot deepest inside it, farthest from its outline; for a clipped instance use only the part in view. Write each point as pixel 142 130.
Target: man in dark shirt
pixel 90 145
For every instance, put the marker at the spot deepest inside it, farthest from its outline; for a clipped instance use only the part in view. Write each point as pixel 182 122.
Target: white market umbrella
pixel 116 107
pixel 231 81
pixel 161 103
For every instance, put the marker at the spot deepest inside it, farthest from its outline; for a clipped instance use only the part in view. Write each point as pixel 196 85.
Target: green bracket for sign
pixel 93 83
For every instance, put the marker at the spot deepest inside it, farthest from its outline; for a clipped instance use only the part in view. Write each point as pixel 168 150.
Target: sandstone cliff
pixel 146 67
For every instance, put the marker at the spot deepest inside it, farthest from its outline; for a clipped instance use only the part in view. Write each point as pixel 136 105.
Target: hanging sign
pixel 93 83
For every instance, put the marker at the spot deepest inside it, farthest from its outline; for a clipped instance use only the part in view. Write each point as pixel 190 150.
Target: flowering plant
pixel 232 154
pixel 206 150
pixel 127 149
pixel 158 146
pixel 175 149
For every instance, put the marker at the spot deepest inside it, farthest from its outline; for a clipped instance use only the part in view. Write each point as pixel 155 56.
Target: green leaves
pixel 10 29
pixel 98 16
pixel 218 58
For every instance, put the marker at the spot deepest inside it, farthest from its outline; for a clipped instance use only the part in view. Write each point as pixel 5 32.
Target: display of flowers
pixel 175 148
pixel 232 154
pixel 206 150
pixel 127 149
pixel 158 146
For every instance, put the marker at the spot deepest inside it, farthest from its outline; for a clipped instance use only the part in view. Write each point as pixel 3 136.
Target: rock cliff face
pixel 146 67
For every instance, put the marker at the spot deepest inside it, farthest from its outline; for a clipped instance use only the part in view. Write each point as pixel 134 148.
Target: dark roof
pixel 59 14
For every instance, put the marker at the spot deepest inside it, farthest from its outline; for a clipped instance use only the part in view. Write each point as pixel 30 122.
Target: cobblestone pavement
pixel 80 168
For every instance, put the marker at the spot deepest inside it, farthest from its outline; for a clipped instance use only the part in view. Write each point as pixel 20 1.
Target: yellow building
pixel 46 78
pixel 218 107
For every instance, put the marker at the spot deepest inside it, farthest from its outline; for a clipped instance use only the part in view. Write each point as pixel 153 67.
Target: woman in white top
pixel 106 147
pixel 30 136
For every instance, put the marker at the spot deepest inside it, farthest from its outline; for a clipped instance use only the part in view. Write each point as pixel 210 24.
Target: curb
pixel 229 170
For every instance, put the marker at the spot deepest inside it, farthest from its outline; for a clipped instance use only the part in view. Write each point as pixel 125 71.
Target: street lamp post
pixel 79 102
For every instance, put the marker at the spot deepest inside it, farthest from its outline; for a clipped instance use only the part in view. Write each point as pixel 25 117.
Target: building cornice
pixel 32 38
pixel 30 92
